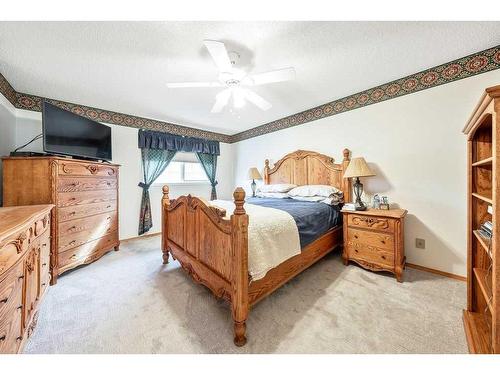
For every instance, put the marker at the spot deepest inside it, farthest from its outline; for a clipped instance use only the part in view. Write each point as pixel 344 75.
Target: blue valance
pixel 165 141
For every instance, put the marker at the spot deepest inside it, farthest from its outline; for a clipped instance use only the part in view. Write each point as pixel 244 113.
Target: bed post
pixel 346 182
pixel 165 202
pixel 266 172
pixel 239 300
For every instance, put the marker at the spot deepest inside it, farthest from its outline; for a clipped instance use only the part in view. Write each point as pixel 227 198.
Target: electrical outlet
pixel 419 243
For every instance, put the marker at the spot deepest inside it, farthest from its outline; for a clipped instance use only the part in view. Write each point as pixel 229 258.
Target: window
pixel 184 169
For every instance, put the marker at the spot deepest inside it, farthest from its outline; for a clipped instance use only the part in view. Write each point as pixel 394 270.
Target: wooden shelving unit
pixel 482 317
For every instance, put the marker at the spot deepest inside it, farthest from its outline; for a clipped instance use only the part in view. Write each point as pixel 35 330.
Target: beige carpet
pixel 128 302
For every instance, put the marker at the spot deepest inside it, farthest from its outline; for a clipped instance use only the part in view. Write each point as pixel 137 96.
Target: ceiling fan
pixel 235 80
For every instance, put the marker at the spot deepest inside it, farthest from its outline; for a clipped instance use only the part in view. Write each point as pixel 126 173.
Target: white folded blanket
pixel 273 237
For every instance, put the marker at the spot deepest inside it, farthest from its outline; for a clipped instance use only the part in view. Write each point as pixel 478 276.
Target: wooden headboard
pixel 310 168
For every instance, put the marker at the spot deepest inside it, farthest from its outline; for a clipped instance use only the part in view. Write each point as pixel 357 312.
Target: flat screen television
pixel 65 133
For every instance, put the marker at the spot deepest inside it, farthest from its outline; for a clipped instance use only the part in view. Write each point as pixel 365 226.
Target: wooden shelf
pixel 483 198
pixel 485 242
pixel 477 332
pixel 484 285
pixel 487 161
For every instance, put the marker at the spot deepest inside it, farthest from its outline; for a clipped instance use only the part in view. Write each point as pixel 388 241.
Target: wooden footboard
pixel 212 249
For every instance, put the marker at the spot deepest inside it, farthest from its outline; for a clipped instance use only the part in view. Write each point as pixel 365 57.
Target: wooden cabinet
pixel 24 272
pixel 482 317
pixel 374 240
pixel 85 195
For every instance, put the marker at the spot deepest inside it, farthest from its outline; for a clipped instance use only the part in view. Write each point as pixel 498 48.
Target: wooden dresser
pixel 24 271
pixel 374 240
pixel 85 195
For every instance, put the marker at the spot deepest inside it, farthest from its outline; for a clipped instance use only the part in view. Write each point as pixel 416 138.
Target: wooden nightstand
pixel 374 240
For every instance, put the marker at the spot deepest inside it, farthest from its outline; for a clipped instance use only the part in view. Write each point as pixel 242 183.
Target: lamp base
pixel 254 187
pixel 358 191
pixel 360 207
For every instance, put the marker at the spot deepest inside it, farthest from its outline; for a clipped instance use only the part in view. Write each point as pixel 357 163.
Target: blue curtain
pixel 170 142
pixel 209 164
pixel 154 162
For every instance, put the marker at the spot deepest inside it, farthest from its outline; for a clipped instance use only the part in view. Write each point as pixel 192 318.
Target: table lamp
pixel 254 174
pixel 358 168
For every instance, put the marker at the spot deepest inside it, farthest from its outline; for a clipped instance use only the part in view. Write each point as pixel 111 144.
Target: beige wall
pixel 415 146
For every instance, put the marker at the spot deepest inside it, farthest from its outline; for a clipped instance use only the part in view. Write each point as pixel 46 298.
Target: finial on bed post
pixel 347 188
pixel 239 201
pixel 165 202
pixel 266 172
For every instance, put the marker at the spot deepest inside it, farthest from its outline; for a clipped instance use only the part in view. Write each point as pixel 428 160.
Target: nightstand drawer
pixel 380 240
pixel 369 253
pixel 370 222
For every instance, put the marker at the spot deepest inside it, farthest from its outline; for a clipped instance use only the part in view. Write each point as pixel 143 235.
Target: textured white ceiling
pixel 123 66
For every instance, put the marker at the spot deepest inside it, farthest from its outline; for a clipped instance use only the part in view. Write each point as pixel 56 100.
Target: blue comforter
pixel 312 219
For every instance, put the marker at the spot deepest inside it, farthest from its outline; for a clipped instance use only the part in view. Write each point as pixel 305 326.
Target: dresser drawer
pixel 10 332
pixel 11 287
pixel 77 232
pixel 369 253
pixel 88 251
pixel 42 225
pixel 12 248
pixel 80 211
pixel 71 198
pixel 371 222
pixel 86 183
pixel 377 239
pixel 86 169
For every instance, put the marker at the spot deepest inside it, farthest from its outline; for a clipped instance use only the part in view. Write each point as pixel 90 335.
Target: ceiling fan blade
pixel 279 75
pixel 221 100
pixel 177 85
pixel 258 100
pixel 219 54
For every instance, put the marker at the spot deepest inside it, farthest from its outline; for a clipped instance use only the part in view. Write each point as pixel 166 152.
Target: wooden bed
pixel 213 249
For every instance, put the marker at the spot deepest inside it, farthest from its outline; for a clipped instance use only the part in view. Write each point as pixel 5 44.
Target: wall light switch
pixel 419 243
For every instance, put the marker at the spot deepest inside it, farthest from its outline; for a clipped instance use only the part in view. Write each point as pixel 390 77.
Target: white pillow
pixel 271 195
pixel 314 190
pixel 276 188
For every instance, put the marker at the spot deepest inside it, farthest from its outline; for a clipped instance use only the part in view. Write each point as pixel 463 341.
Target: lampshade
pixel 253 174
pixel 358 168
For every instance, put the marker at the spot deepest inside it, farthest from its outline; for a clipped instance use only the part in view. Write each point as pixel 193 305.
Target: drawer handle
pixel 355 250
pixel 356 236
pixel 3 338
pixel 20 277
pixel 72 242
pixel 108 206
pixel 383 256
pixel 72 213
pixel 4 300
pixel 44 245
pixel 43 265
pixel 19 307
pixel 43 284
pixel 108 218
pixel 73 256
pixel 383 241
pixel 19 338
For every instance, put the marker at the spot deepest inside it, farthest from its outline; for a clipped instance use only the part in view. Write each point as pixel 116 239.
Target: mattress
pixel 313 219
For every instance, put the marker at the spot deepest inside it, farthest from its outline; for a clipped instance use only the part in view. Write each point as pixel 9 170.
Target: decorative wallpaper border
pixel 477 63
pixel 34 103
